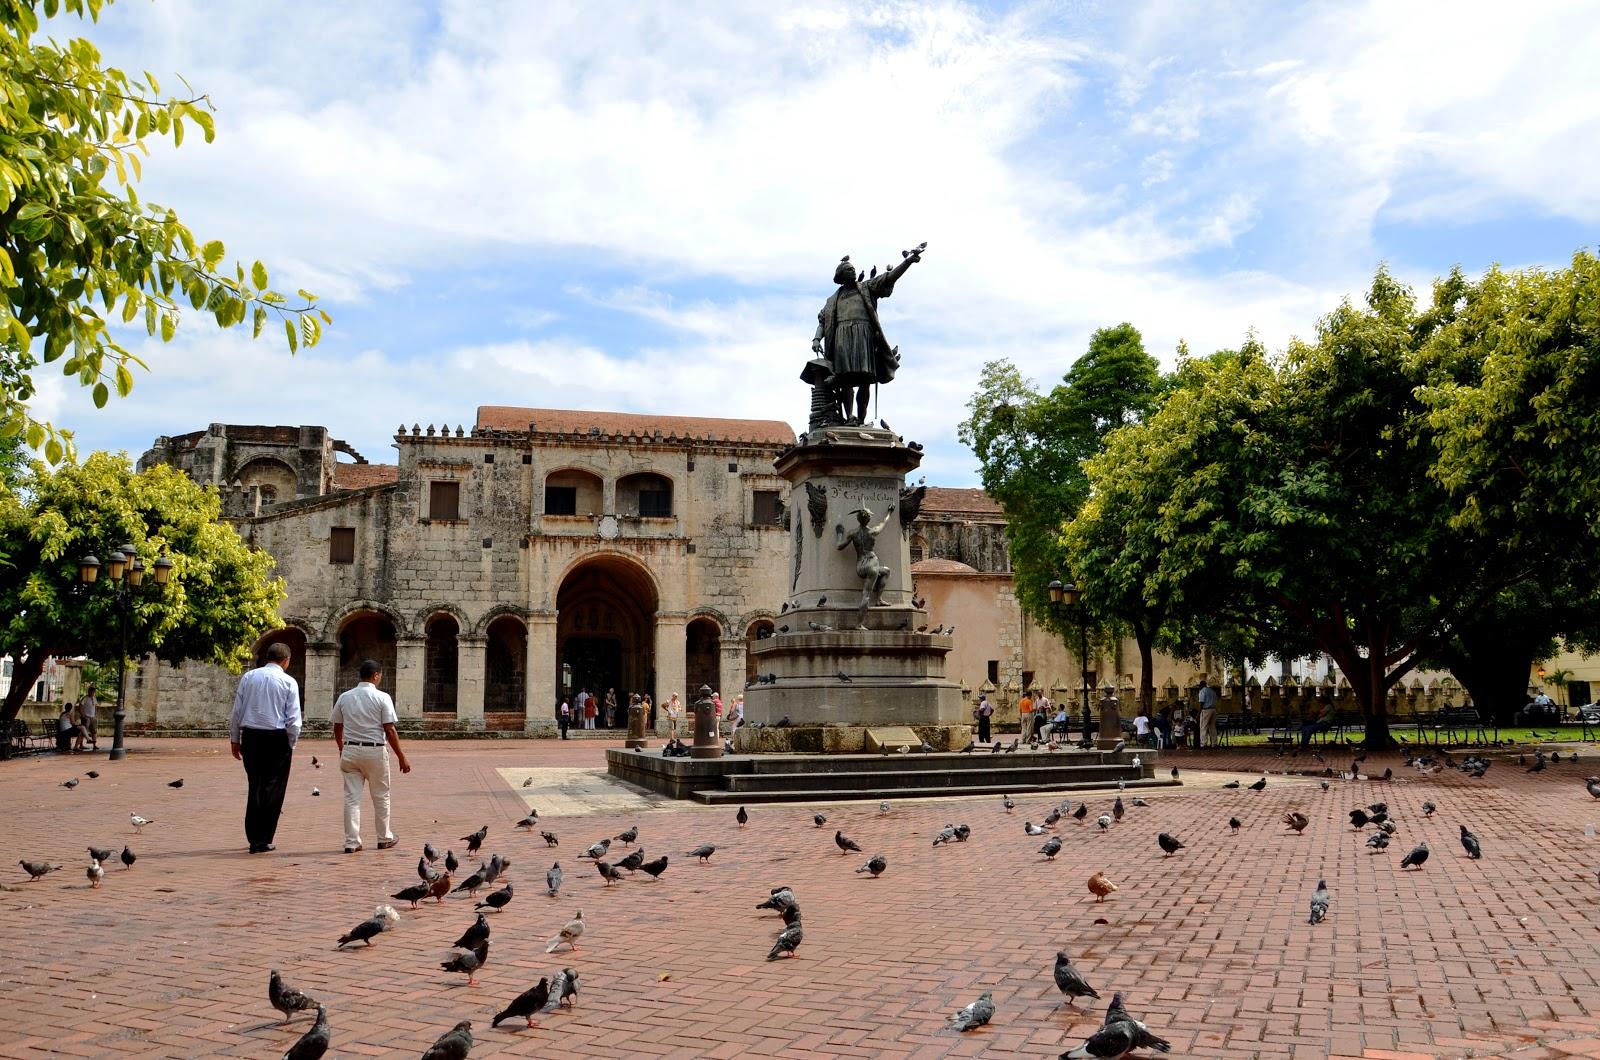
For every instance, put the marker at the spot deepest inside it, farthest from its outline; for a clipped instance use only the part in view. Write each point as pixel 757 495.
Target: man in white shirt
pixel 363 729
pixel 262 730
pixel 88 706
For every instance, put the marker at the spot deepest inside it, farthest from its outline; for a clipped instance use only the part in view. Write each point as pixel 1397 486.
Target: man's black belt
pixel 361 743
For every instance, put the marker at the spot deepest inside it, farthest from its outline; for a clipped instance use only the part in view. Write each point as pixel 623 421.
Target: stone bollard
pixel 636 719
pixel 707 742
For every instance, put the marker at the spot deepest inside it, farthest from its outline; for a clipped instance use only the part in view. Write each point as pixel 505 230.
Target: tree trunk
pixel 1493 669
pixel 1147 672
pixel 25 673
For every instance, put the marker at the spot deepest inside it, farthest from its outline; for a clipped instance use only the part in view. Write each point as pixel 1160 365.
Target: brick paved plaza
pixel 1499 957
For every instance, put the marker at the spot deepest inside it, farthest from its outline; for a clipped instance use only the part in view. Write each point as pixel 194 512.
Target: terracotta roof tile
pixel 359 476
pixel 965 501
pixel 941 566
pixel 567 421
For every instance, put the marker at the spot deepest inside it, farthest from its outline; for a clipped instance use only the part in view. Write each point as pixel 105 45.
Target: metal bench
pixel 24 741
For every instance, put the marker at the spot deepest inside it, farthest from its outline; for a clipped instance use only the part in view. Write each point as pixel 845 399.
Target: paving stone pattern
pixel 1498 957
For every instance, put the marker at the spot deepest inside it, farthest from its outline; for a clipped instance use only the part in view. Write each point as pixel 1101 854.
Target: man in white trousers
pixel 363 728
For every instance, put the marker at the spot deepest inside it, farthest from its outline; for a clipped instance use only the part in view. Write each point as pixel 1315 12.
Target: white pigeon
pixel 139 822
pixel 1135 763
pixel 883 807
pixel 1104 821
pixel 95 872
pixel 569 934
pixel 1031 828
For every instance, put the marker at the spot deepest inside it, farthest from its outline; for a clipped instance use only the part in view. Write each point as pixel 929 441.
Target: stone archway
pixel 505 660
pixel 702 654
pixel 605 628
pixel 440 664
pixel 760 629
pixel 364 635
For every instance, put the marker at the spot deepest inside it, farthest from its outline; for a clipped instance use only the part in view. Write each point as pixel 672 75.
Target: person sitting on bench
pixel 1321 723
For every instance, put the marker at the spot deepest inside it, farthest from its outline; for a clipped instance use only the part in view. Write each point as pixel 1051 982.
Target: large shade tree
pixel 220 599
pixel 80 253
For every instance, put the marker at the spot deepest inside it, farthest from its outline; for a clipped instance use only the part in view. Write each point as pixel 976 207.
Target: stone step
pixel 911 779
pixel 717 797
pixel 945 760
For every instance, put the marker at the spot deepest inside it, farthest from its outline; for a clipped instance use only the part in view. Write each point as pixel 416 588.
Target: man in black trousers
pixel 263 729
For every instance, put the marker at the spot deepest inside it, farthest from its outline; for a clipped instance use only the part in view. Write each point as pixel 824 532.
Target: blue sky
pixel 638 207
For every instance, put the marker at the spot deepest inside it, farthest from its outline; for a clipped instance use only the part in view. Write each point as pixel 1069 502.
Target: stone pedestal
pixel 1110 726
pixel 818 669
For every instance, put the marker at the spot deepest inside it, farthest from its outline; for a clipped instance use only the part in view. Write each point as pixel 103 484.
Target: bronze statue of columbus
pixel 850 339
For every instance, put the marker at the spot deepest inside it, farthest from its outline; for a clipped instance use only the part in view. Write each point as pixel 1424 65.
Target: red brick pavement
pixel 1492 958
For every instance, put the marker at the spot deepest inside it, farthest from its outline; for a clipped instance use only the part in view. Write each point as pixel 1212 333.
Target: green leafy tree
pixel 79 252
pixel 219 600
pixel 1032 449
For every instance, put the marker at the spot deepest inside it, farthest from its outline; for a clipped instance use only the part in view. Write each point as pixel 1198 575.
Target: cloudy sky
pixel 638 206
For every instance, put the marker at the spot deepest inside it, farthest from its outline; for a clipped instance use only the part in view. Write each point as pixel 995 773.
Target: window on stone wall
pixel 919 548
pixel 655 504
pixel 561 500
pixel 767 509
pixel 994 671
pixel 1027 679
pixel 444 500
pixel 268 495
pixel 342 544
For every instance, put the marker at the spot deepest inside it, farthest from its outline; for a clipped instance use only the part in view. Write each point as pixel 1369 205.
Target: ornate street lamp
pixel 126 572
pixel 1065 595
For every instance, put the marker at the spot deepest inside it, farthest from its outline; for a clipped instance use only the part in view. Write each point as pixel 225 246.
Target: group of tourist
pixel 585 711
pixel 77 724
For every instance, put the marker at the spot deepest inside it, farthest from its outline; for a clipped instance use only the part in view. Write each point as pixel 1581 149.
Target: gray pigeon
pixel 552 879
pixel 1319 902
pixel 845 843
pixel 96 854
pixel 563 989
pixel 782 898
pixel 313 1044
pixel 381 920
pixel 453 1044
pixel 597 850
pixel 1417 856
pixel 498 900
pixel 703 852
pixel 1051 848
pixel 35 869
pixel 1032 829
pixel 787 942
pixel 1120 1035
pixel 1070 982
pixel 1169 844
pixel 476 932
pixel 818 820
pixel 629 837
pixel 634 859
pixel 1428 809
pixel 1469 843
pixel 875 865
pixel 947 833
pixel 469 962
pixel 976 1014
pixel 286 999
pixel 1378 841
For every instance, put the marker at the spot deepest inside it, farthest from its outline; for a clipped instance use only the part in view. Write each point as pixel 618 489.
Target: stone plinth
pixel 819 668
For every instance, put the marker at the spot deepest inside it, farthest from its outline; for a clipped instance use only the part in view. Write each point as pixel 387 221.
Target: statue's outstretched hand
pixel 816 345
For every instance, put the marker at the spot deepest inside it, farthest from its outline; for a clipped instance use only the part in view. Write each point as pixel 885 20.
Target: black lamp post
pixel 1067 596
pixel 126 571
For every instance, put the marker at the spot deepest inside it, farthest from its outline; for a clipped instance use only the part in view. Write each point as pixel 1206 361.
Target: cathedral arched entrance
pixel 605 628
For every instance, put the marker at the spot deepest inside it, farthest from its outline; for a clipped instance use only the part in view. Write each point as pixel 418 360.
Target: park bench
pixel 24 741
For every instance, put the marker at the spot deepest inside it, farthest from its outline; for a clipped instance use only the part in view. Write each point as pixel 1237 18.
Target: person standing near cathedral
pixel 364 722
pixel 262 732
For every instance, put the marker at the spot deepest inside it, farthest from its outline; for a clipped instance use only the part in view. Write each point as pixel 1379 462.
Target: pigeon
pixel 1416 857
pixel 450 862
pixel 883 807
pixel 1053 817
pixel 1169 844
pixel 314 763
pixel 596 851
pixel 493 870
pixel 568 934
pixel 1428 809
pixel 128 857
pixel 424 872
pixel 629 837
pixel 139 822
pixel 1032 829
pixel 564 990
pixel 971 747
pixel 1388 774
pixel 1070 982
pixel 1120 1035
pixel 1007 803
pixel 526 1004
pixel 313 1044
pixel 1469 843
pixel 1297 821
pixel 875 865
pixel 787 942
pixel 472 883
pixel 781 898
pixel 1231 784
pixel 1378 841
pixel 1174 772
pixel 529 821
pixel 69 784
pixel 821 600
pixel 1388 827
pixel 498 900
pixel 1104 821
pixel 743 817
pixel 96 854
pixel 1118 810
pixel 453 1044
pixel 382 919
pixel 476 932
pixel 1260 785
pixel 1081 812
pixel 1593 786
pixel 947 833
pixel 996 747
pixel 1140 802
pixel 550 839
pixel 608 872
pixel 1013 745
pixel 1136 762
pixel 175 783
pixel 962 833
pixel 92 775
pixel 1118 747
pixel 469 962
pixel 1099 886
pixel 95 873
pixel 845 844
pixel 1233 825
pixel 791 916
pixel 1359 819
pixel 633 860
pixel 1319 902
pixel 655 868
pixel 818 820
pixel 413 894
pixel 976 1014
pixel 1051 848
pixel 35 869
pixel 552 879
pixel 286 999
pixel 1324 784
pixel 1376 808
pixel 528 783
pixel 843 677
pixel 439 886
pixel 703 852
pixel 475 840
